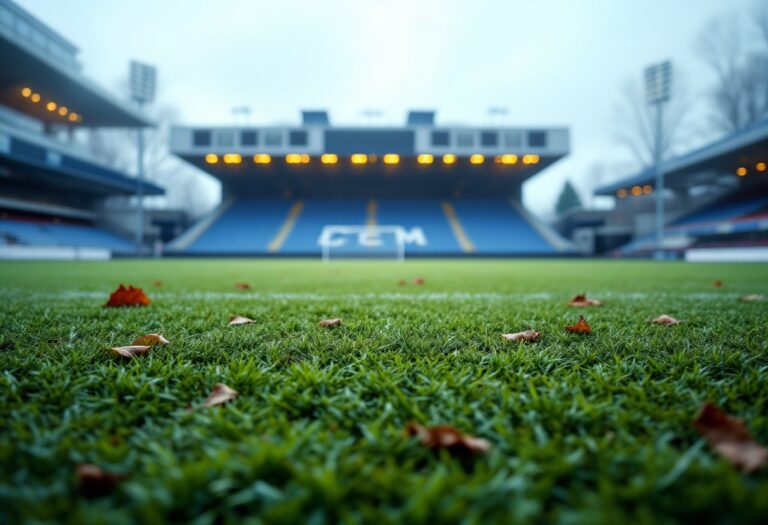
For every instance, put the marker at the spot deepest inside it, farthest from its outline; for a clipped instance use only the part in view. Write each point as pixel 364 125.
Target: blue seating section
pixel 494 226
pixel 317 214
pixel 425 214
pixel 248 226
pixel 45 234
pixel 705 220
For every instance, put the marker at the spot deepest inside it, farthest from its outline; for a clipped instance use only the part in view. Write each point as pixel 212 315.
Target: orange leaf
pixel 242 286
pixel 94 482
pixel 130 351
pixel 528 335
pixel 128 297
pixel 666 320
pixel 418 280
pixel 220 394
pixel 751 298
pixel 151 340
pixel 718 284
pixel 331 322
pixel 236 320
pixel 448 438
pixel 729 437
pixel 581 300
pixel 581 327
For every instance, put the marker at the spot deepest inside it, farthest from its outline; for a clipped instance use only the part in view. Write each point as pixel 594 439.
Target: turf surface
pixel 585 428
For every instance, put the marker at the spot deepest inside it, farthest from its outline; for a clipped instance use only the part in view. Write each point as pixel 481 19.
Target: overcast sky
pixel 550 62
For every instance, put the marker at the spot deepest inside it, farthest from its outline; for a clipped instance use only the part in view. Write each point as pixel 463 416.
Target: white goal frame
pixel 367 235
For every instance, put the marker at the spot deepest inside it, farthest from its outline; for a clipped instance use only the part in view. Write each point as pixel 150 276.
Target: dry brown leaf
pixel 158 284
pixel 581 327
pixel 94 482
pixel 528 335
pixel 418 280
pixel 220 394
pixel 448 438
pixel 581 300
pixel 237 320
pixel 331 322
pixel 128 297
pixel 718 284
pixel 665 320
pixel 130 351
pixel 729 437
pixel 151 340
pixel 751 298
pixel 242 286
pixel 402 282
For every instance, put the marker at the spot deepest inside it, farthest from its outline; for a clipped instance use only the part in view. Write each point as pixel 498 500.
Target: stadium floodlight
pixel 142 81
pixel 658 87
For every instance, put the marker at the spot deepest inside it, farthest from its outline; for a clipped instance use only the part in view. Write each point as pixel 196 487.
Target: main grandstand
pixel 448 190
pixel 52 192
pixel 716 199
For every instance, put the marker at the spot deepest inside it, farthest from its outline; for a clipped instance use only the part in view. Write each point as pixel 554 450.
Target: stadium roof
pixel 725 155
pixel 382 159
pixel 33 160
pixel 44 63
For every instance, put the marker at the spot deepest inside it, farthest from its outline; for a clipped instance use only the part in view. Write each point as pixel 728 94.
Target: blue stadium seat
pixel 494 226
pixel 248 226
pixel 49 234
pixel 317 214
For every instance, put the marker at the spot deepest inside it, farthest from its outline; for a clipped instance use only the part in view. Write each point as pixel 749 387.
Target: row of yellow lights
pixel 647 189
pixel 362 158
pixel 51 106
pixel 636 191
pixel 742 171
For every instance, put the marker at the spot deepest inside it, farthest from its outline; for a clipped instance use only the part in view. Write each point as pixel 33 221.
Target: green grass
pixel 585 429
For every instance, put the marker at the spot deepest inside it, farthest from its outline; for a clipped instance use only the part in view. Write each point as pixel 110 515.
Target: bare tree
pixel 635 126
pixel 739 63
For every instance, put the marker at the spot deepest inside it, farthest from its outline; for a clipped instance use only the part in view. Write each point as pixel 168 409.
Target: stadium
pixel 376 320
pixel 447 188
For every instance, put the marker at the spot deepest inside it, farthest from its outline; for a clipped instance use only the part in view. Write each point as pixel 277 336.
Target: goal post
pixel 355 240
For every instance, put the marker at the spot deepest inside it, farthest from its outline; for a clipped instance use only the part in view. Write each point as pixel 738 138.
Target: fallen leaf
pixel 528 335
pixel 418 280
pixel 581 327
pixel 220 394
pixel 666 320
pixel 158 284
pixel 729 437
pixel 401 282
pixel 242 286
pixel 718 284
pixel 751 298
pixel 128 297
pixel 448 438
pixel 151 340
pixel 331 322
pixel 236 320
pixel 130 351
pixel 581 300
pixel 93 481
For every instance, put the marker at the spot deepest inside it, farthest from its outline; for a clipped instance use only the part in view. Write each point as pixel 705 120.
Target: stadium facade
pixel 716 199
pixel 53 193
pixel 448 190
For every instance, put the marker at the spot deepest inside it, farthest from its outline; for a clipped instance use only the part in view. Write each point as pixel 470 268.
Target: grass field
pixel 584 428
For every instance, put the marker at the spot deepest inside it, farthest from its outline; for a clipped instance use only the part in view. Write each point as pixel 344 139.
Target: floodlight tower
pixel 658 80
pixel 142 80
